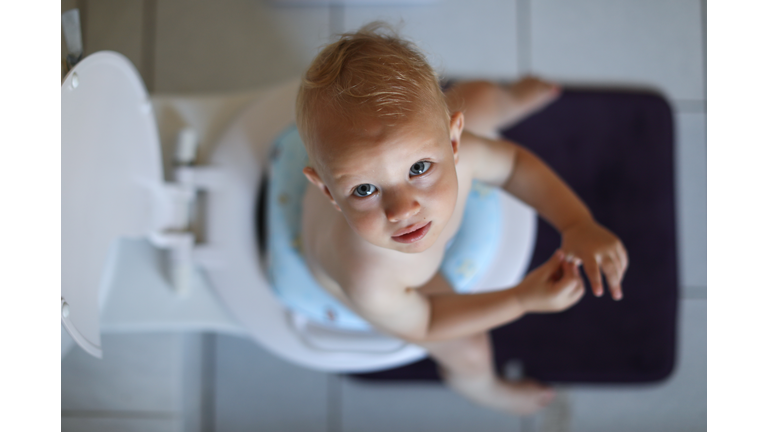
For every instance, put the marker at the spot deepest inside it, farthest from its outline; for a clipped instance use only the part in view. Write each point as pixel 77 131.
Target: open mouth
pixel 413 233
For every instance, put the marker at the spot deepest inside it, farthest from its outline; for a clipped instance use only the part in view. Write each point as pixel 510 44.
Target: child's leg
pixel 466 366
pixel 489 107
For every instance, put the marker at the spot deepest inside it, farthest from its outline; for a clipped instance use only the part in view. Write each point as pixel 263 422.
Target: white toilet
pixel 143 251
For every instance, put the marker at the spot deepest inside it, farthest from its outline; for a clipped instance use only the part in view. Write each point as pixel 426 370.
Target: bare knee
pixel 471 95
pixel 479 101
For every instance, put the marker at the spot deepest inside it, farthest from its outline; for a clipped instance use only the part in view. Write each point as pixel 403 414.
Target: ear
pixel 456 128
pixel 315 179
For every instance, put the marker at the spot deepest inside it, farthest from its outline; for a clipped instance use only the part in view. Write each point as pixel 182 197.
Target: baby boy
pixel 392 159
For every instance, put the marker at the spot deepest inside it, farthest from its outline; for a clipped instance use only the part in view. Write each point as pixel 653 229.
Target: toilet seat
pixel 110 168
pixel 239 279
pixel 228 254
pixel 113 188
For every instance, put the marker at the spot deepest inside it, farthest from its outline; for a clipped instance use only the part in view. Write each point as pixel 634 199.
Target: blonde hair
pixel 371 72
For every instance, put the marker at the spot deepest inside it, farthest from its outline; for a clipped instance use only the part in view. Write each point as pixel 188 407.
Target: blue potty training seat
pixel 467 258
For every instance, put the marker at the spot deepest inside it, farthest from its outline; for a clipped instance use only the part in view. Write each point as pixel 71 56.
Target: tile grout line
pixel 82 8
pixel 704 45
pixel 524 47
pixel 527 424
pixel 148 40
pixel 208 391
pixel 190 375
pixel 336 20
pixel 689 105
pixel 693 293
pixel 113 414
pixel 681 107
pixel 334 403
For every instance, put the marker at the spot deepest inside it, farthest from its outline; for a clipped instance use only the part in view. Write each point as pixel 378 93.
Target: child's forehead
pixel 374 161
pixel 335 127
pixel 344 142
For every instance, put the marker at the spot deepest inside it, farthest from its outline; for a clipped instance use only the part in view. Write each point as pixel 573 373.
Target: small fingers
pixel 578 285
pixel 578 290
pixel 572 259
pixel 592 269
pixel 612 269
pixel 621 253
pixel 554 266
pixel 579 293
pixel 570 288
pixel 569 279
pixel 554 261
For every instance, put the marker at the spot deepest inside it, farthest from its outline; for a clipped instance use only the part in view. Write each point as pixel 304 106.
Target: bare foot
pixel 523 397
pixel 527 96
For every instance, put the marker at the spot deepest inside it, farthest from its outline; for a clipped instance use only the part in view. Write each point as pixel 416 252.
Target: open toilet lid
pixel 110 167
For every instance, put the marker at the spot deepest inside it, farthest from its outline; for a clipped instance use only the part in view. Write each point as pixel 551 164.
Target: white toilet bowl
pixel 113 188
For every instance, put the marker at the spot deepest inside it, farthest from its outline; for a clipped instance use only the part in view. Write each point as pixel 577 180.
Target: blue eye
pixel 364 190
pixel 420 167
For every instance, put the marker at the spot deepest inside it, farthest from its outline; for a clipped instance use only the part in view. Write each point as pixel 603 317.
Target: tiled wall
pixel 161 382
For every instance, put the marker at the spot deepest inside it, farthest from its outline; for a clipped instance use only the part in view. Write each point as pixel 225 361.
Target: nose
pixel 401 205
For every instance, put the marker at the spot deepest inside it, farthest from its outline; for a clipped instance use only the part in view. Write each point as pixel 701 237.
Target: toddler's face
pixel 397 186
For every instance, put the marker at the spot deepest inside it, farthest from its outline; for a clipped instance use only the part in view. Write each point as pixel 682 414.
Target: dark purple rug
pixel 615 149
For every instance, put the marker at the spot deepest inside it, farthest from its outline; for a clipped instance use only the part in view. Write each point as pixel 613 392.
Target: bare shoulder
pixel 379 296
pixel 371 281
pixel 490 160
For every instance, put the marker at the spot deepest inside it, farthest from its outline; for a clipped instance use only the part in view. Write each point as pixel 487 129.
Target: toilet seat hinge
pixel 175 215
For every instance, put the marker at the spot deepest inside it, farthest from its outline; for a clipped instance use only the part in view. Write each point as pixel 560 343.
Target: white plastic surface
pixel 142 296
pixel 110 168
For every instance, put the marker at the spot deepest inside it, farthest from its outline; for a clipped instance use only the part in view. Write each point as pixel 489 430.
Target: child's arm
pixel 525 176
pixel 552 287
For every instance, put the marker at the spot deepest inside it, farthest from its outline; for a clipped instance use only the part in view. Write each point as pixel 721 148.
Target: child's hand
pixel 599 250
pixel 552 287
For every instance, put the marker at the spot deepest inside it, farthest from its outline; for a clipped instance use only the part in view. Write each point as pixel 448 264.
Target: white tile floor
pixel 414 407
pixel 117 424
pixel 152 383
pixel 253 387
pixel 478 41
pixel 645 43
pixel 140 379
pixel 691 176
